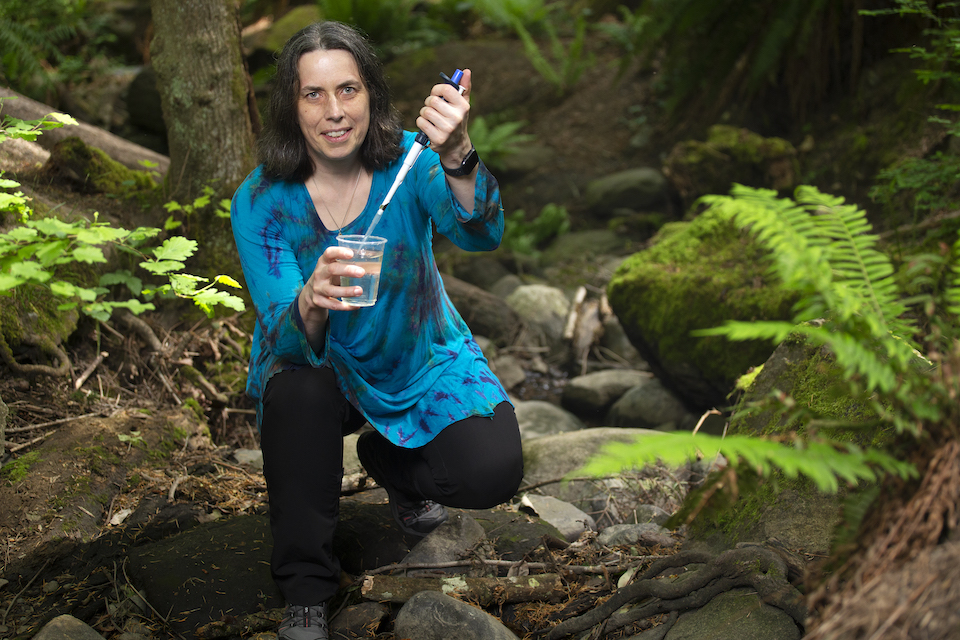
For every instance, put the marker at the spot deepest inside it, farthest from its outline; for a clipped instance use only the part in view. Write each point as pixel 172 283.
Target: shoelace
pixel 301 617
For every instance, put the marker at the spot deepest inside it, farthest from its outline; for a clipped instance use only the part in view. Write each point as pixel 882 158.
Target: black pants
pixel 475 463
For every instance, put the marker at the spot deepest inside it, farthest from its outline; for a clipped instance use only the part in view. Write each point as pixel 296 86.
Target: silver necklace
pixel 343 221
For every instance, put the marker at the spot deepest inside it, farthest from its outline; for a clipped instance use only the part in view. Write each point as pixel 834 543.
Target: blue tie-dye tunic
pixel 409 363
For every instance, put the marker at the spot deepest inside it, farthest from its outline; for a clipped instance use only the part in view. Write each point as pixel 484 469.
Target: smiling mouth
pixel 336 134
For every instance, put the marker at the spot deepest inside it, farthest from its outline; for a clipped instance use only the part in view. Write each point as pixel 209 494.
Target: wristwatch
pixel 466 166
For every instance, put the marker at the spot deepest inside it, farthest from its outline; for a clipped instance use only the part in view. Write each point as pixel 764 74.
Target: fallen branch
pixel 547 587
pixel 32 427
pixel 89 370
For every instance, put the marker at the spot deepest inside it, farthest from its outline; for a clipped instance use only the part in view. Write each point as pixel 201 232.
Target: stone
pixel 431 615
pixel 250 457
pixel 508 370
pixel 698 275
pixel 543 309
pixel 506 285
pixel 66 627
pixel 738 614
pixel 591 395
pixel 650 405
pixel 539 418
pixel 638 189
pixel 568 519
pixel 450 541
pixel 550 458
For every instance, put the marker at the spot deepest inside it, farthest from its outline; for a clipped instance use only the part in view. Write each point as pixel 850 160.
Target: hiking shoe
pixel 304 623
pixel 415 517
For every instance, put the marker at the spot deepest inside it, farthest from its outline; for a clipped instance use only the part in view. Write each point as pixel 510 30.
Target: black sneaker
pixel 304 623
pixel 416 517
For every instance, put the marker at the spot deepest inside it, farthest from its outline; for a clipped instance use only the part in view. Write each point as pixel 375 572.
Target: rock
pixel 484 313
pixel 615 340
pixel 540 418
pixel 590 396
pixel 553 457
pixel 649 405
pixel 587 244
pixel 650 513
pixel 356 621
pixel 66 627
pixel 698 275
pixel 481 271
pixel 696 168
pixel 509 371
pixel 250 457
pixel 569 520
pixel 506 285
pixel 543 309
pixel 646 534
pixel 431 615
pixel 639 189
pixel 450 541
pixel 738 614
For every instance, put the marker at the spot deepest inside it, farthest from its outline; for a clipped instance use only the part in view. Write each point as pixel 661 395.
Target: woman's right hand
pixel 322 289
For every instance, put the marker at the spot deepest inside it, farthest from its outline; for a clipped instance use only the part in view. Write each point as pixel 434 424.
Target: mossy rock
pixel 729 154
pixel 90 170
pixel 698 275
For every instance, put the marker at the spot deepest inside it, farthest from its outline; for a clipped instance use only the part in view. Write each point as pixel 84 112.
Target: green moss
pixel 746 381
pixel 698 275
pixel 193 405
pixel 98 459
pixel 99 172
pixel 32 309
pixel 17 470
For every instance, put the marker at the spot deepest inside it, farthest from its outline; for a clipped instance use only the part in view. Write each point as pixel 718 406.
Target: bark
pixel 482 591
pixel 206 95
pixel 123 151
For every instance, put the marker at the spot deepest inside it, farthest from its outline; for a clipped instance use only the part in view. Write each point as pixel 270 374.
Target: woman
pixel 444 432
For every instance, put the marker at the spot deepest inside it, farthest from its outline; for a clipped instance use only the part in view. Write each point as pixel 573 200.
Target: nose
pixel 334 109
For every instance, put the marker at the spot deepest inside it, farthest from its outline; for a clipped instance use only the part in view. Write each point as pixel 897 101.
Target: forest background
pixel 864 90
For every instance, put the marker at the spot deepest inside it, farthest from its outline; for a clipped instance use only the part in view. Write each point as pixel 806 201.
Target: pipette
pixel 419 143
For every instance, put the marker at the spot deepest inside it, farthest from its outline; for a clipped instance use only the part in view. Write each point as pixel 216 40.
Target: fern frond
pixel 824 462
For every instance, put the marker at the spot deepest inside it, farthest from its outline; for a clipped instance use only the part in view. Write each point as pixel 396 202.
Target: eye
pixel 312 94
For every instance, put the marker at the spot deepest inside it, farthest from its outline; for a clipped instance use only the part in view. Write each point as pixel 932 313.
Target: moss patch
pixel 17 470
pixel 698 275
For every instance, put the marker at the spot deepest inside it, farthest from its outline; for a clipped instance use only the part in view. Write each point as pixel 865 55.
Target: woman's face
pixel 333 105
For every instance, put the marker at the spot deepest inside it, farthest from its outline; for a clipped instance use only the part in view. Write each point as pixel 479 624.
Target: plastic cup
pixel 367 253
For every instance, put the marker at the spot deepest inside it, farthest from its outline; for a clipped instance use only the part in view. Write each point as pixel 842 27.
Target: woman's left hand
pixel 444 119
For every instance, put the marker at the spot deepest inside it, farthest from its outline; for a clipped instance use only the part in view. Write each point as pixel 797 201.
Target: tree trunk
pixel 206 94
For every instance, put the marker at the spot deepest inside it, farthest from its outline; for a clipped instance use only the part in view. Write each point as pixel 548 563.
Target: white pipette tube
pixel 419 143
pixel 408 162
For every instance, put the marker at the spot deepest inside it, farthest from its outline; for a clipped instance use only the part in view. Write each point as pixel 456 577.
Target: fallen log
pixel 127 153
pixel 547 587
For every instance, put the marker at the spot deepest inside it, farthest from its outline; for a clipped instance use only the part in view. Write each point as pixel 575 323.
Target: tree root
pixel 47 345
pixel 756 567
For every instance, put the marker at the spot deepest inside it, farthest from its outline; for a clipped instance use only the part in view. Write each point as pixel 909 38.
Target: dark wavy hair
pixel 281 148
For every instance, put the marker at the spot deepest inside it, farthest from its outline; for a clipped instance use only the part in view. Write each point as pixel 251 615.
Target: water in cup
pixel 367 254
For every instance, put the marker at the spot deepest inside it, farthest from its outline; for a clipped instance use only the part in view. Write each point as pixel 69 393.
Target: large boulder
pixel 729 155
pixel 697 275
pixel 641 189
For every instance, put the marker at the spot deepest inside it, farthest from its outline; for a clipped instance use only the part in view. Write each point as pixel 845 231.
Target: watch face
pixel 466 166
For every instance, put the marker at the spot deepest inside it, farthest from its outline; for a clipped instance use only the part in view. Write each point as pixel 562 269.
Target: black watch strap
pixel 466 166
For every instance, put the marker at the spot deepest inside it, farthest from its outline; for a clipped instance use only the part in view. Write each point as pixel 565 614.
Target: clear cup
pixel 368 254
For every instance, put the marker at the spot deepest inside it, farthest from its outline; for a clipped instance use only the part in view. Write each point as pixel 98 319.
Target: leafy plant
pixel 630 34
pixel 40 252
pixel 562 66
pixel 527 238
pixel 495 143
pixel 506 14
pixel 222 210
pixel 849 303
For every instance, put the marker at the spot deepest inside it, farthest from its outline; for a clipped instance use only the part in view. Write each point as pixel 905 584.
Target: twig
pixel 543 483
pixel 3 620
pixel 24 445
pixel 50 424
pixel 539 566
pixel 89 370
pixel 173 487
pixel 169 387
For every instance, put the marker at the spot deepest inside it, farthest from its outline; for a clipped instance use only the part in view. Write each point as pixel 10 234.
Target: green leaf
pixel 69 290
pixel 30 271
pixel 175 248
pixel 162 267
pixel 88 254
pixel 134 284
